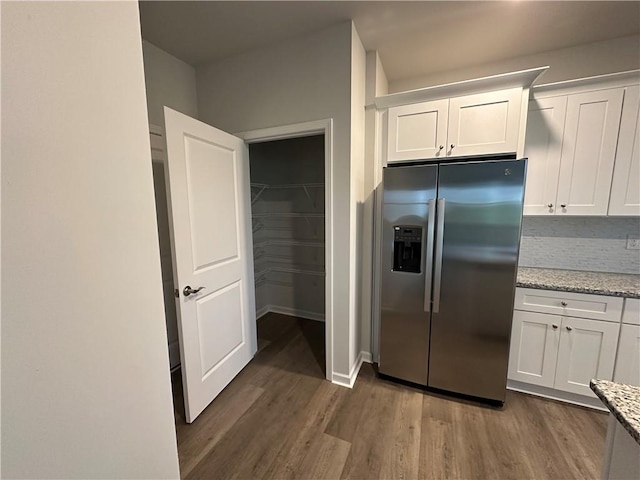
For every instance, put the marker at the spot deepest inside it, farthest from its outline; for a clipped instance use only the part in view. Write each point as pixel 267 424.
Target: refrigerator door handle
pixel 428 260
pixel 438 256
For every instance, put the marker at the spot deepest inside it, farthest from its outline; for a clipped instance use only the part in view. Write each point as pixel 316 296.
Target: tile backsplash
pixel 580 243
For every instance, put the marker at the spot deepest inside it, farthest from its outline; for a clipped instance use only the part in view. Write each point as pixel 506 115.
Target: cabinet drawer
pixel 631 313
pixel 597 307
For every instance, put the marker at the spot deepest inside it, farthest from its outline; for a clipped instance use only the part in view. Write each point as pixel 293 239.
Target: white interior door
pixel 210 212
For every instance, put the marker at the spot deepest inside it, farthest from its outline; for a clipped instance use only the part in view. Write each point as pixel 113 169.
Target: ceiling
pixel 413 39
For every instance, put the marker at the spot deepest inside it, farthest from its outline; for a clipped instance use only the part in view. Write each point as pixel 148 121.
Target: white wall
pixel 85 372
pixel 304 79
pixel 376 85
pixel 359 250
pixel 617 55
pixel 169 81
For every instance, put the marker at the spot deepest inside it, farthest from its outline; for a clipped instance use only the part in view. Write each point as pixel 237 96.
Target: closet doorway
pixel 288 206
pixel 290 199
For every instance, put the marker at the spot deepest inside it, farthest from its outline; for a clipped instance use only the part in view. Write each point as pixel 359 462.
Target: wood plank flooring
pixel 281 419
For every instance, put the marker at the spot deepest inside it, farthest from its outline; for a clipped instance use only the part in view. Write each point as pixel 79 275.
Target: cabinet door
pixel 417 131
pixel 543 148
pixel 628 358
pixel 587 350
pixel 534 347
pixel 625 188
pixel 631 312
pixel 484 123
pixel 588 152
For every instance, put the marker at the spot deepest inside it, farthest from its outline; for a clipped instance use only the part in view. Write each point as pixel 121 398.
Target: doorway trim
pixel 305 129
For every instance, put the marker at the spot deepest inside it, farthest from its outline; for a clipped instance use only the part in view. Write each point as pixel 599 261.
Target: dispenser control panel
pixel 407 248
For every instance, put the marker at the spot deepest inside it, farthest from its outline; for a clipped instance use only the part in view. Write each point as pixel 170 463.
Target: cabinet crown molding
pixel 579 85
pixel 522 78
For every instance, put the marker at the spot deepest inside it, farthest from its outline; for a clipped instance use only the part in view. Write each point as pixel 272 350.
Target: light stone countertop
pixel 623 401
pixel 595 283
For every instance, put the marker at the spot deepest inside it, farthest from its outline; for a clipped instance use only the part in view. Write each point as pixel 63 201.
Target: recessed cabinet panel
pixel 628 358
pixel 543 148
pixel 534 348
pixel 625 188
pixel 484 123
pixel 588 152
pixel 587 350
pixel 417 131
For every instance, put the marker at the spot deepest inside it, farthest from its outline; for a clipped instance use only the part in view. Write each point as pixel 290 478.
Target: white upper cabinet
pixel 485 123
pixel 588 152
pixel 625 188
pixel 583 146
pixel 543 148
pixel 418 131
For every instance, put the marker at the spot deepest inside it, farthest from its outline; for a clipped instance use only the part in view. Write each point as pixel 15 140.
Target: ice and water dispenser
pixel 407 248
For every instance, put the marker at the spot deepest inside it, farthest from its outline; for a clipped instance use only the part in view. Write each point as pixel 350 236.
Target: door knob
pixel 569 328
pixel 554 326
pixel 452 146
pixel 564 304
pixel 563 205
pixel 550 205
pixel 190 291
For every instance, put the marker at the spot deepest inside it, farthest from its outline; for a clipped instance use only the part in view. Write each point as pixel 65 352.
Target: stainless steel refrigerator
pixel 451 236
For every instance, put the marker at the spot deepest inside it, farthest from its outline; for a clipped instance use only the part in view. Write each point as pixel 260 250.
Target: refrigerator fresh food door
pixel 407 260
pixel 476 255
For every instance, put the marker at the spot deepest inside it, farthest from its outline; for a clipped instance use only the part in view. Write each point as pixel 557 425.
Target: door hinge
pixel 176 293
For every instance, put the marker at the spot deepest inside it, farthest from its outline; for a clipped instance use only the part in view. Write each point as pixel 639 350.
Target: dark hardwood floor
pixel 281 419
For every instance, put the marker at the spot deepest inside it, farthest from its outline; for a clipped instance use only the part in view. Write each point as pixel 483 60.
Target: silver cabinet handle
pixel 564 304
pixel 453 146
pixel 550 205
pixel 438 255
pixel 428 261
pixel 191 291
pixel 555 327
pixel 563 205
pixel 440 147
pixel 569 328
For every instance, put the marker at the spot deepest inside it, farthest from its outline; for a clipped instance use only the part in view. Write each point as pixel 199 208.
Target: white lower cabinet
pixel 628 358
pixel 534 348
pixel 587 350
pixel 564 352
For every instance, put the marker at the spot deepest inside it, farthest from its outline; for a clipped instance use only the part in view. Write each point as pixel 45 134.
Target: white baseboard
pixel 262 312
pixel 558 395
pixel 349 380
pixel 294 312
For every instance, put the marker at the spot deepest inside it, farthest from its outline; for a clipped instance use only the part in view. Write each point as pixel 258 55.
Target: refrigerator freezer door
pixel 406 290
pixel 470 332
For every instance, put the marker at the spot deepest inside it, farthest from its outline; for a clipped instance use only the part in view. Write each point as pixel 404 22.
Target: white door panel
pixel 484 123
pixel 587 350
pixel 417 131
pixel 628 359
pixel 534 348
pixel 625 189
pixel 209 198
pixel 588 152
pixel 543 148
